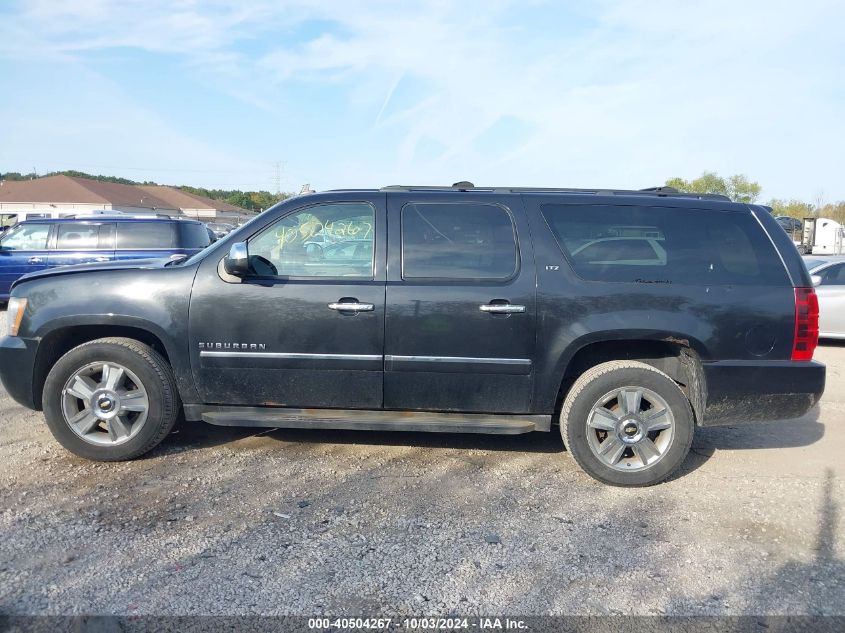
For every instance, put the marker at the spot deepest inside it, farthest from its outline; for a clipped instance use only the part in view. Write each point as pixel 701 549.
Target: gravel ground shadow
pixel 802 431
pixel 812 588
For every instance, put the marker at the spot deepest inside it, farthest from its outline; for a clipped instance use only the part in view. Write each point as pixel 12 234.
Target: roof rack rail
pixel 118 215
pixel 651 191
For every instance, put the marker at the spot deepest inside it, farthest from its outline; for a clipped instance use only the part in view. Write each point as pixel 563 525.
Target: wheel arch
pixel 674 354
pixel 59 340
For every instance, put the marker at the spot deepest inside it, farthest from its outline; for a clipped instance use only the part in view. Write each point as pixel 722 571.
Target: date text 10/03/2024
pixel 421 623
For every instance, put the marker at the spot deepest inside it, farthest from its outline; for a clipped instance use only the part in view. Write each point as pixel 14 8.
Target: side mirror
pixel 237 261
pixel 816 279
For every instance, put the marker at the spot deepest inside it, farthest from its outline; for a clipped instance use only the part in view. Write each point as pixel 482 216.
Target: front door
pixel 306 329
pixel 23 249
pixel 460 305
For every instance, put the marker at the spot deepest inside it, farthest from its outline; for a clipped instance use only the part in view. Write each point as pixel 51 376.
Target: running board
pixel 369 420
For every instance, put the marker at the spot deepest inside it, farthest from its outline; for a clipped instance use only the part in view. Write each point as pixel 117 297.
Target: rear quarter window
pixel 640 244
pixel 145 235
pixel 193 235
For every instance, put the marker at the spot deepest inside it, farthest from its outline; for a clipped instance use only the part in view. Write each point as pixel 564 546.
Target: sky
pixel 596 93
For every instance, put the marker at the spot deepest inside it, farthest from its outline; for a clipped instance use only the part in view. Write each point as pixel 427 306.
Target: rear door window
pixel 643 244
pixel 461 241
pixel 145 235
pixel 70 237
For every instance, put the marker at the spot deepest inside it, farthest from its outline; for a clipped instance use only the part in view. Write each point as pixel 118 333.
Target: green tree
pixel 738 188
pixel 792 208
pixel 834 211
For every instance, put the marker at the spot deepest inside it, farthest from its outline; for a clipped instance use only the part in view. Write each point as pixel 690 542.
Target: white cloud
pixel 621 93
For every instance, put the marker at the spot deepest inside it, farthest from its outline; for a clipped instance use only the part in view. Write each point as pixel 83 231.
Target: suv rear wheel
pixel 111 399
pixel 627 424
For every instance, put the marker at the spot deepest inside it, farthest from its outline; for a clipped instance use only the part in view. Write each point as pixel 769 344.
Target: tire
pixel 138 408
pixel 585 428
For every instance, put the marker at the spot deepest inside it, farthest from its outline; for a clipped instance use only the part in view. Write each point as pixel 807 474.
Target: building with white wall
pixel 62 196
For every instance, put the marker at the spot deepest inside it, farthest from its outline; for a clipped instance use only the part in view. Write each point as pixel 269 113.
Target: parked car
pixel 789 224
pixel 829 277
pixel 220 229
pixel 468 311
pixel 42 244
pixel 10 219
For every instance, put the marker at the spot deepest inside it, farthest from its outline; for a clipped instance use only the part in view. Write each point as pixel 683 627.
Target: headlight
pixel 14 314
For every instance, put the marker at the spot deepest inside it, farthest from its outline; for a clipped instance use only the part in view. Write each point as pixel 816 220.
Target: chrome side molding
pixel 289 355
pixel 458 359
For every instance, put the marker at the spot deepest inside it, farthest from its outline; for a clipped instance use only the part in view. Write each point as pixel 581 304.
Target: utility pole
pixel 277 177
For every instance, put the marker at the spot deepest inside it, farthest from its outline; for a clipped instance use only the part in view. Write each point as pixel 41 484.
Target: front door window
pixel 27 238
pixel 327 240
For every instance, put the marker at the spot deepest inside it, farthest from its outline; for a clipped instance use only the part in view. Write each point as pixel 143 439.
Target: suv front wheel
pixel 111 399
pixel 627 423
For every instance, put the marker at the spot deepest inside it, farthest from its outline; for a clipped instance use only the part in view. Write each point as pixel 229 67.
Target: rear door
pixel 22 250
pixel 460 304
pixel 80 243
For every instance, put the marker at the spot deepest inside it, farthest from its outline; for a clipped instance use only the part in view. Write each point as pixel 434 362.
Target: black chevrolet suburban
pixel 626 318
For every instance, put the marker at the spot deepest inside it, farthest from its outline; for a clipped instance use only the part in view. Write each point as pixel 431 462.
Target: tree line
pixel 740 189
pixel 255 201
pixel 737 187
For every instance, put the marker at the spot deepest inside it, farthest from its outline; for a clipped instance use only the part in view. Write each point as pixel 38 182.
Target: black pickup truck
pixel 628 318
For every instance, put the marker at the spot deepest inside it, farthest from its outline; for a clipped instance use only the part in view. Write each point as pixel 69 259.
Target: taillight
pixel 806 324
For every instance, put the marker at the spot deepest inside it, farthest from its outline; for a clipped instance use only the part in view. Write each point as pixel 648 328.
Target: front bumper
pixel 740 391
pixel 17 368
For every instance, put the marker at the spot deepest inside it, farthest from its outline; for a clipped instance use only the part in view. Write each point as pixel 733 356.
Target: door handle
pixel 501 308
pixel 101 259
pixel 36 260
pixel 352 307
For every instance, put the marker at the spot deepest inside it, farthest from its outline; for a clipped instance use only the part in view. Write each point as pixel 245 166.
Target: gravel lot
pixel 303 522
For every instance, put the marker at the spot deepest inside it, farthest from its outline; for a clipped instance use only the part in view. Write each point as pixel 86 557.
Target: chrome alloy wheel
pixel 104 403
pixel 630 428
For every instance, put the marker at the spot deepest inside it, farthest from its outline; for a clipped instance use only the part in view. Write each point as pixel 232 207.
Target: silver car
pixel 829 277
